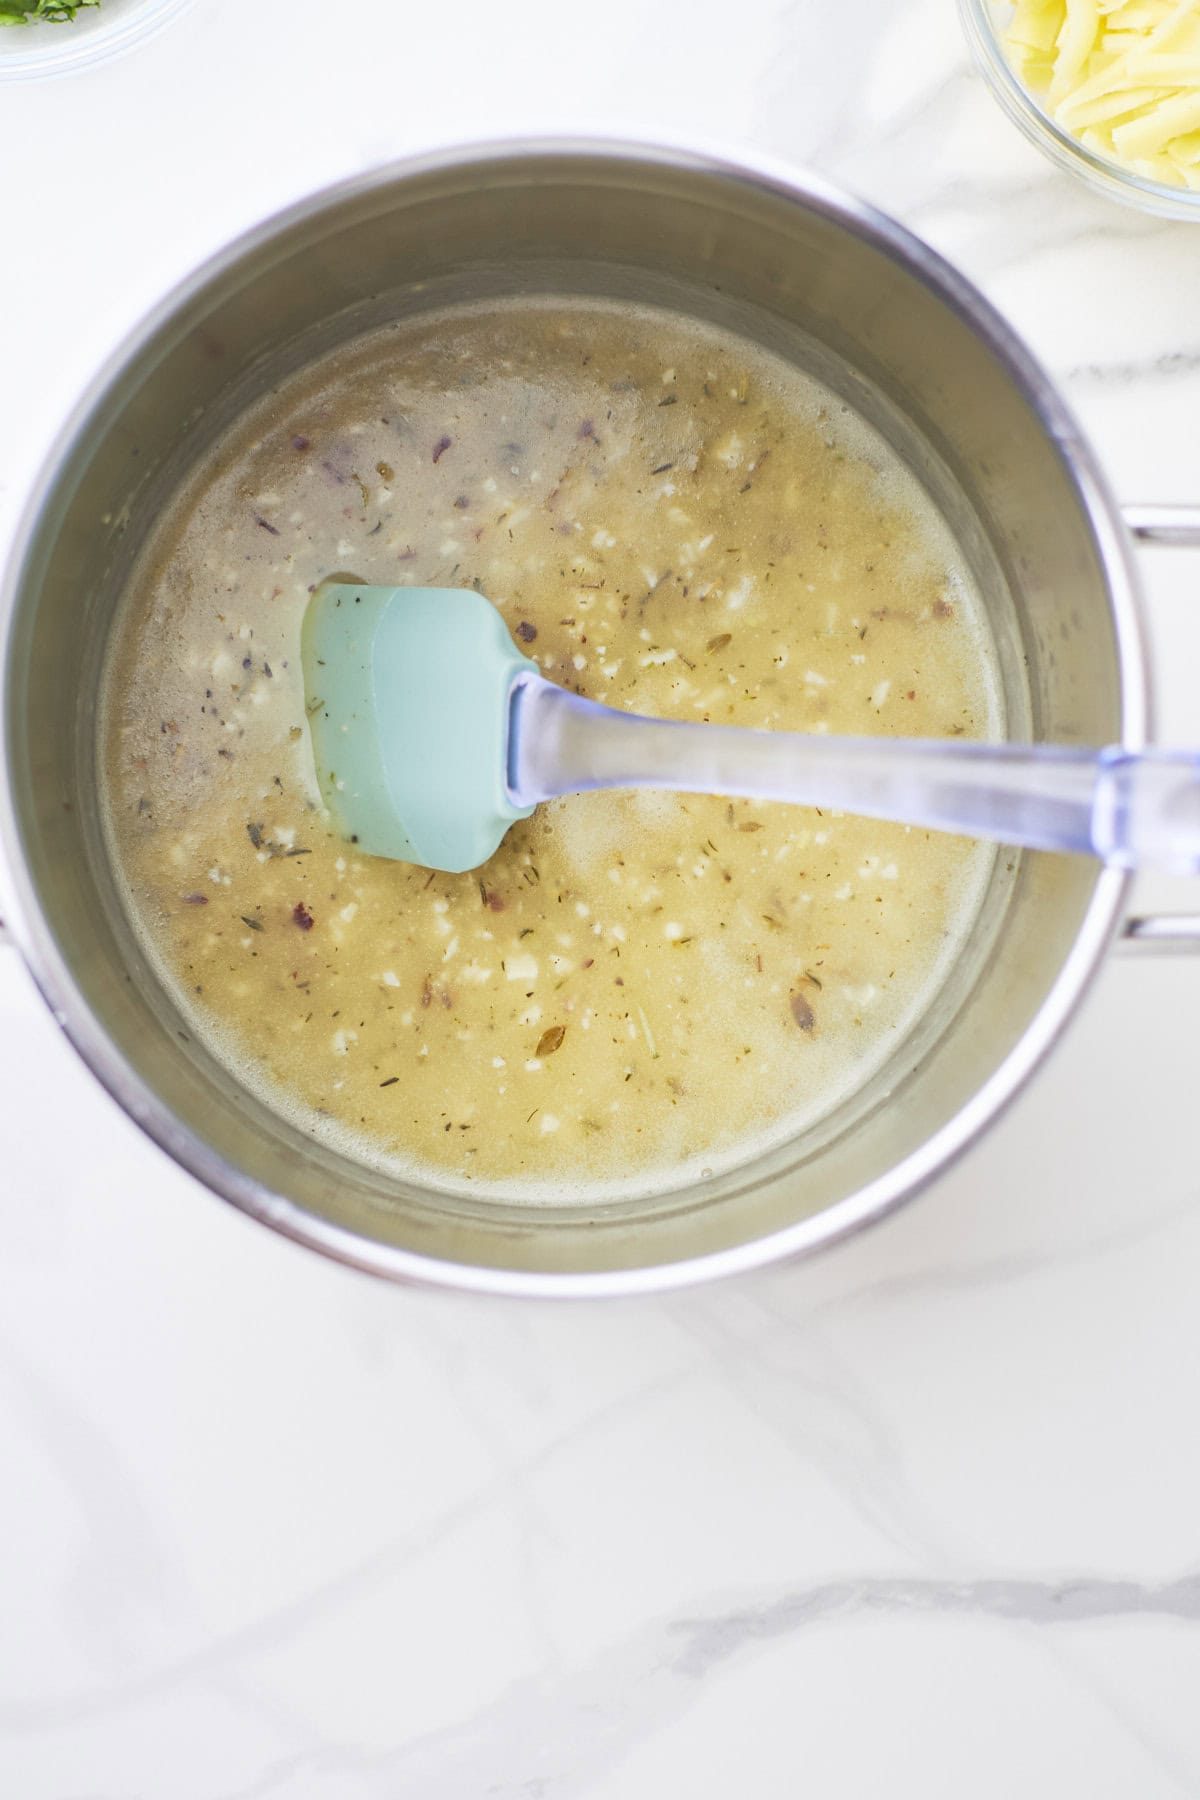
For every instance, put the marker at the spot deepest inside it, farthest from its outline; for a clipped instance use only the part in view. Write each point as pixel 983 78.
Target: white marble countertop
pixel 921 1518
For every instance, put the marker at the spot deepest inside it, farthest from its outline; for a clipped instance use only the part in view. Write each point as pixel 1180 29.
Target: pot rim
pixel 906 1178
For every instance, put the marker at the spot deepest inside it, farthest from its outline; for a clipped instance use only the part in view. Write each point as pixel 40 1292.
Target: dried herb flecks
pixel 803 1014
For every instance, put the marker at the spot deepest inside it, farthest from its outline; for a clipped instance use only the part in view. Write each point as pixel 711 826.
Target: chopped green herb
pixel 24 12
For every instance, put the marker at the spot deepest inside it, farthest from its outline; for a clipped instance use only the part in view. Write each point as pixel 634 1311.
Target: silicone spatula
pixel 432 733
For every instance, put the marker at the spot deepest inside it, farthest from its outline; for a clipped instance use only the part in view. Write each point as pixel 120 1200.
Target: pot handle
pixel 1163 934
pixel 1178 525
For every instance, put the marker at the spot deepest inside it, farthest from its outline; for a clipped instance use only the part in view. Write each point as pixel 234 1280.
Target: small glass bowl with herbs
pixel 1108 89
pixel 52 37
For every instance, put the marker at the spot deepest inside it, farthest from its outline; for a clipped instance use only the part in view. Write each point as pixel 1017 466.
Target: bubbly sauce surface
pixel 635 987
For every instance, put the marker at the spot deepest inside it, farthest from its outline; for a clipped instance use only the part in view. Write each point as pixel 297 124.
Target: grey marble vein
pixel 564 1733
pixel 1168 365
pixel 1074 1601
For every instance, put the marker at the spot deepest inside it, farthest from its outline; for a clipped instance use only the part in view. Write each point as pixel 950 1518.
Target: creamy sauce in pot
pixel 635 987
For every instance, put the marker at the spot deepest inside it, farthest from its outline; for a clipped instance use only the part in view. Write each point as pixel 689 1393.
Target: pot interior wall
pixel 797 279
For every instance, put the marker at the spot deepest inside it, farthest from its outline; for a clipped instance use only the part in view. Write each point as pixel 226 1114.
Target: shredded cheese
pixel 1123 76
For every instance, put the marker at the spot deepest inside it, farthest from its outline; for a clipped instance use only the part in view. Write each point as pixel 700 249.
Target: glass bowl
pixel 32 52
pixel 984 22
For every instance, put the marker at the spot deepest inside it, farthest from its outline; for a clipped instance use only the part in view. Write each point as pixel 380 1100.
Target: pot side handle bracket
pixel 1163 934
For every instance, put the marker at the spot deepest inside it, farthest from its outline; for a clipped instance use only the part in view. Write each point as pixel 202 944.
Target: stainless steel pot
pixel 785 261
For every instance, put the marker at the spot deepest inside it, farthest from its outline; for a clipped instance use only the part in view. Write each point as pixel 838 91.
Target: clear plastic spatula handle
pixel 1134 810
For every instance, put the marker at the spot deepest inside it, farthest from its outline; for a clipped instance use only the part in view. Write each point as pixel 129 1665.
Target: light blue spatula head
pixel 408 694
